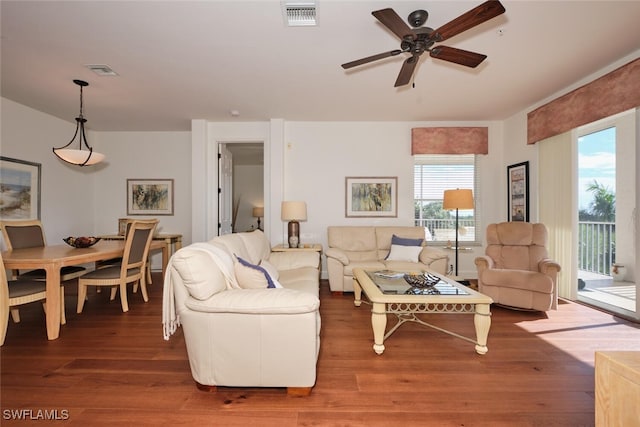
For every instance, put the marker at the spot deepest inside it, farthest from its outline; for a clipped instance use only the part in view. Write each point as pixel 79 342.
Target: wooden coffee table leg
pixel 482 321
pixel 357 293
pixel 379 324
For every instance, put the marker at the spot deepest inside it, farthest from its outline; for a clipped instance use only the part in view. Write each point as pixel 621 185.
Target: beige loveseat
pixel 352 247
pixel 239 330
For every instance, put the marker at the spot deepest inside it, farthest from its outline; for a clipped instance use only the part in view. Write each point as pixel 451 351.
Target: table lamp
pixel 258 212
pixel 457 199
pixel 294 212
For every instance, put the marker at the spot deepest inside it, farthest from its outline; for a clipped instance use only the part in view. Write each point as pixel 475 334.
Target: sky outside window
pixel 596 161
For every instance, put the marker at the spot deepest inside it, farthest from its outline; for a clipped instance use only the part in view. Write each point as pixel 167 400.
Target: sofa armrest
pixel 294 259
pixel 548 267
pixel 428 255
pixel 257 301
pixel 337 254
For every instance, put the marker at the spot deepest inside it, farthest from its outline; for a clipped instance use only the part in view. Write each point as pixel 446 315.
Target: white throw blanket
pixel 170 319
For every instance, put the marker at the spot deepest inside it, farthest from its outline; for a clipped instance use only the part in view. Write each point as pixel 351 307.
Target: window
pixel 432 174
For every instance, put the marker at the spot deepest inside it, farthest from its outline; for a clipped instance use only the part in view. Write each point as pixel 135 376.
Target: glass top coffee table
pixel 389 292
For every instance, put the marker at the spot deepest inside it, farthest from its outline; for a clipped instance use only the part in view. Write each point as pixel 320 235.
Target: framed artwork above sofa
pixel 371 197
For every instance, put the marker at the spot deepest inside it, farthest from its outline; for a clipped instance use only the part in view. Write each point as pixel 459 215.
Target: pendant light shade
pixel 79 157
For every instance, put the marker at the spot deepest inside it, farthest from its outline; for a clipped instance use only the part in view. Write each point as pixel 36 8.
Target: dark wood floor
pixel 110 368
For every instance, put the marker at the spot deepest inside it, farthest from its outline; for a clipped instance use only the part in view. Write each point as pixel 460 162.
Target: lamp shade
pixel 258 212
pixel 79 157
pixel 294 211
pixel 457 199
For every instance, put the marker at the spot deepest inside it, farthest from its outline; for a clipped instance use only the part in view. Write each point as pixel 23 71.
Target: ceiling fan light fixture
pixel 79 157
pixel 300 13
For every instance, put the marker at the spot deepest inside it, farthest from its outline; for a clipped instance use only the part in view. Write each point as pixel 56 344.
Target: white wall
pixel 248 184
pixel 67 193
pixel 143 155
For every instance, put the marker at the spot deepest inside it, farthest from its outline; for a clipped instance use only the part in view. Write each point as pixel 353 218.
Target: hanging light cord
pixel 80 121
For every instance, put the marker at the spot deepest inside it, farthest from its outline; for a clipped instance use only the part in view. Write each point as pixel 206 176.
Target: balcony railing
pixel 596 240
pixel 596 246
pixel 443 230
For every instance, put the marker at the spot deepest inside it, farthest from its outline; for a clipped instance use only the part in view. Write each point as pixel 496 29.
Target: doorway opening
pixel 240 186
pixel 606 215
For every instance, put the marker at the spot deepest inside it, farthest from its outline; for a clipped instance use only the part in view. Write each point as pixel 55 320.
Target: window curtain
pixel 610 94
pixel 450 140
pixel 557 207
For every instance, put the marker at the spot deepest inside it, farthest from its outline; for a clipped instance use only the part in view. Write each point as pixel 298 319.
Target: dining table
pixel 52 258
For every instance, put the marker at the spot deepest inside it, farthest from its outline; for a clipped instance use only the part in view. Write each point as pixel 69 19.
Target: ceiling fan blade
pixel 370 59
pixel 390 19
pixel 476 16
pixel 409 65
pixel 459 56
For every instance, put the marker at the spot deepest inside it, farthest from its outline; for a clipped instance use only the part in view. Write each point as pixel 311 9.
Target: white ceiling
pixel 180 60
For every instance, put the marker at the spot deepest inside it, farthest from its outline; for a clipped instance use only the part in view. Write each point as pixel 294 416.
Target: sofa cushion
pixel 352 239
pixel 271 269
pixel 405 266
pixel 197 273
pixel 251 276
pixel 304 279
pixel 234 245
pixel 365 265
pixel 404 253
pixel 258 247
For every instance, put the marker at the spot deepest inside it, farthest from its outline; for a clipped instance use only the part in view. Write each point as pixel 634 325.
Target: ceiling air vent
pixel 101 69
pixel 300 14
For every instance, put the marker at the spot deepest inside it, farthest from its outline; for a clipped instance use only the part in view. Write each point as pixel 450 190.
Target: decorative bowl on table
pixel 81 242
pixel 421 280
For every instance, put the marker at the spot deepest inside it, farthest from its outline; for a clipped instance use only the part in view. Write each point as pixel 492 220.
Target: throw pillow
pixel 271 269
pixel 251 276
pixel 406 241
pixel 404 253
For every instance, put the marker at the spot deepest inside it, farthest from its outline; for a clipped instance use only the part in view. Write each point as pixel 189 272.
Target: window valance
pixel 610 94
pixel 450 140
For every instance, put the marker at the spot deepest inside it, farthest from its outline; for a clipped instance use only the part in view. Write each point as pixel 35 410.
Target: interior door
pixel 225 190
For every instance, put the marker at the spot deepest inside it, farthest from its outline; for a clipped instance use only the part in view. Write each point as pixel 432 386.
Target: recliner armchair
pixel 516 270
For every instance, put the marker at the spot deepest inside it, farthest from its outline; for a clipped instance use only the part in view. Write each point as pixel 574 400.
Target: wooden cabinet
pixel 617 388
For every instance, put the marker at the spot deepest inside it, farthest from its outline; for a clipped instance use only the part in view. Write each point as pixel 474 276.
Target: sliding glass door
pixel 606 228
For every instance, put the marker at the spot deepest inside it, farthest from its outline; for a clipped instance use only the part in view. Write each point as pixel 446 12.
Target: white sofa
pixel 352 247
pixel 237 331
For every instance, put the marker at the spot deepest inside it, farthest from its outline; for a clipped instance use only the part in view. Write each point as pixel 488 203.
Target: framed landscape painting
pixel 518 192
pixel 19 189
pixel 371 197
pixel 149 196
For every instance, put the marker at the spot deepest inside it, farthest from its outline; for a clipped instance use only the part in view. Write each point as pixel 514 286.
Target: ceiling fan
pixel 419 39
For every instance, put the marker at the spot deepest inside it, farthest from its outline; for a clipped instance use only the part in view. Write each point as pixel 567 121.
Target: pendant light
pixel 79 157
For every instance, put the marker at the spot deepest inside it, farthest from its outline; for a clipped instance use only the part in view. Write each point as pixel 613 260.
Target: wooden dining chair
pixel 14 293
pixel 130 270
pixel 30 234
pixel 114 261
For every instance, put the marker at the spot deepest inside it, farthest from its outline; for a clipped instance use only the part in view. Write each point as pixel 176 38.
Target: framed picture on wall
pixel 518 192
pixel 371 197
pixel 19 189
pixel 149 196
